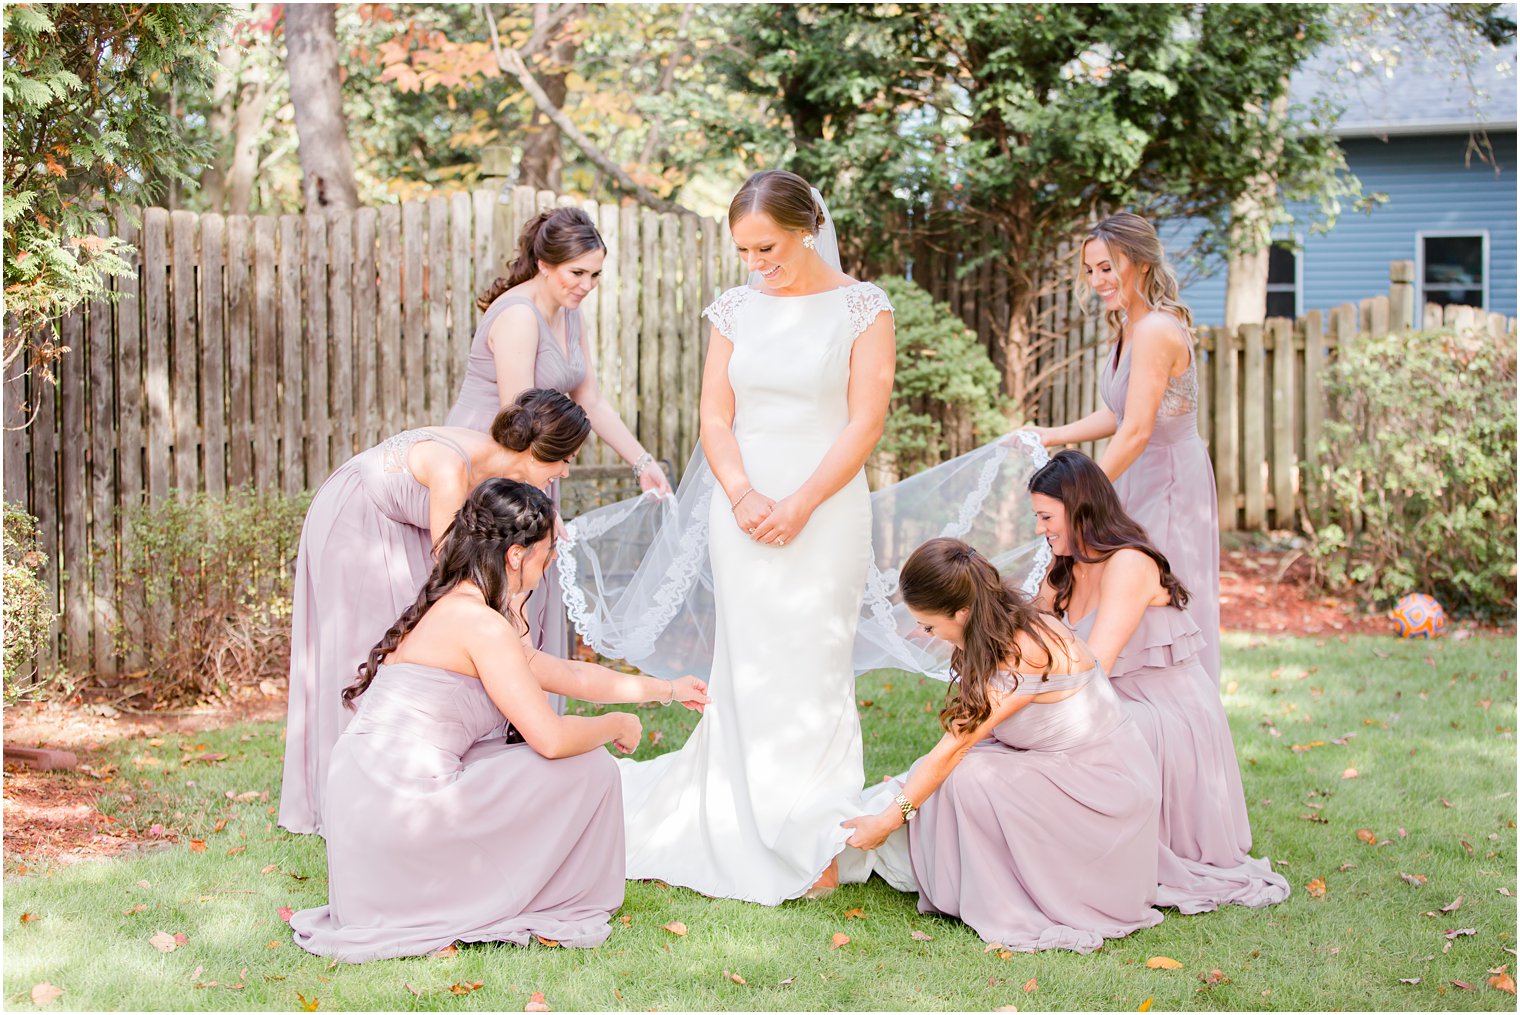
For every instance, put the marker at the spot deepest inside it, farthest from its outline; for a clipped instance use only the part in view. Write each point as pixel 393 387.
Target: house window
pixel 1282 280
pixel 1454 270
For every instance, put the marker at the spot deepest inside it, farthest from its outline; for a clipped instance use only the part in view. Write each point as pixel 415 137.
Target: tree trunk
pixel 311 58
pixel 253 99
pixel 1245 295
pixel 541 157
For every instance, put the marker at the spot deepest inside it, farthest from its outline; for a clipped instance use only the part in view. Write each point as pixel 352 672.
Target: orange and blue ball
pixel 1419 616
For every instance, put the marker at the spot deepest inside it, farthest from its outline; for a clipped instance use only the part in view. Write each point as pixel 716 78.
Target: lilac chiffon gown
pixel 480 400
pixel 365 551
pixel 1169 489
pixel 433 837
pixel 1044 836
pixel 1204 832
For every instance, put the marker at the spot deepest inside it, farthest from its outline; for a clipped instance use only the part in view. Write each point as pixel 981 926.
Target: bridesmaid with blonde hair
pixel 1156 459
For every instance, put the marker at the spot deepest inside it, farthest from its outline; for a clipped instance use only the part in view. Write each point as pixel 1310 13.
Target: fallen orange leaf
pixel 537 1002
pixel 1316 888
pixel 44 994
pixel 163 942
pixel 1146 1004
pixel 29 918
pixel 547 942
pixel 919 935
pixel 741 981
pixel 676 927
pixel 466 988
pixel 235 850
pixel 274 944
pixel 1502 981
pixel 1350 773
pixel 1367 836
pixel 838 941
pixel 269 868
pixel 1031 985
pixel 221 823
pixel 197 845
pixel 625 920
pixel 1162 962
pixel 446 952
pixel 285 913
pixel 308 1005
pixel 854 914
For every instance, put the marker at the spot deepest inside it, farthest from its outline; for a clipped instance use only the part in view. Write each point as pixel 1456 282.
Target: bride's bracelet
pixel 670 692
pixel 743 495
pixel 644 461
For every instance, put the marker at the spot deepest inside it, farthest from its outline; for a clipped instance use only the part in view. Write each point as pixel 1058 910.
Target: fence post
pixel 1254 439
pixel 1401 296
pixel 1226 425
pixel 1283 456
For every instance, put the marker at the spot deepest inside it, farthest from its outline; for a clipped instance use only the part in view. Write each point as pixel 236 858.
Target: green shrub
pixel 214 580
pixel 946 399
pixel 27 612
pixel 1414 489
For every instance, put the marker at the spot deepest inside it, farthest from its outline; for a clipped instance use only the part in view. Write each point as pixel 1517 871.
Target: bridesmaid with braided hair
pixel 435 835
pixel 367 546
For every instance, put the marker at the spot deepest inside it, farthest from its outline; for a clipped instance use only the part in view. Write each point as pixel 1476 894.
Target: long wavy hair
pixel 947 575
pixel 547 424
pixel 1129 234
pixel 553 237
pixel 498 514
pixel 1096 525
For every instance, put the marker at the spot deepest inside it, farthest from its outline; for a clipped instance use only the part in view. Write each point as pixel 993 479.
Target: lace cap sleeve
pixel 863 303
pixel 723 311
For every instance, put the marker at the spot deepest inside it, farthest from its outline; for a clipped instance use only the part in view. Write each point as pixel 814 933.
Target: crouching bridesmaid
pixel 1034 817
pixel 434 838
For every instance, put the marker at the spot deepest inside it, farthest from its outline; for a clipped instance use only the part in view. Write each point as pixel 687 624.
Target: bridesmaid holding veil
pixel 531 336
pixel 1157 461
pixel 366 548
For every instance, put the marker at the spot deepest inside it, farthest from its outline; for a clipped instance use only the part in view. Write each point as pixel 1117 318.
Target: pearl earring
pixel 809 242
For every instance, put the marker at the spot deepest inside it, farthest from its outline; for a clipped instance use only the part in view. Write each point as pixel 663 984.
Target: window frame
pixel 1420 236
pixel 1296 242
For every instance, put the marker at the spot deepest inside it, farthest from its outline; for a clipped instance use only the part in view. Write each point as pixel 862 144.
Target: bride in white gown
pixel 794 397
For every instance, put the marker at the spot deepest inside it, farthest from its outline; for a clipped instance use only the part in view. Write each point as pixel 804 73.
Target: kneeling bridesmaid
pixel 1034 817
pixel 434 838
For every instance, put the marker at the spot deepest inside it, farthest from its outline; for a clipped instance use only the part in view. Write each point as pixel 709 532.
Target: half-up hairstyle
pixel 946 575
pixel 1096 525
pixel 1135 238
pixel 499 513
pixel 786 197
pixel 543 422
pixel 553 237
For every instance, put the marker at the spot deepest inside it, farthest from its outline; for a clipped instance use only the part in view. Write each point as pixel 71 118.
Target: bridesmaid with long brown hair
pixel 1156 459
pixel 531 336
pixel 1118 593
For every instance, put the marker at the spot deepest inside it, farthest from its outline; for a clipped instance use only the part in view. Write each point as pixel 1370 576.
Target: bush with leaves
pixel 945 399
pixel 215 581
pixel 27 612
pixel 1414 487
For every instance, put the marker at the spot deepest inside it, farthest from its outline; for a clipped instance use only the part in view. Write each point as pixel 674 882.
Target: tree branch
pixel 511 61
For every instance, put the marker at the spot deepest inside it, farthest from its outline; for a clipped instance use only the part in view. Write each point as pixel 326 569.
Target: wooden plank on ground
pixel 340 363
pixel 366 297
pixel 1284 455
pixel 413 324
pixel 184 385
pixel 159 437
pixel 213 355
pixel 240 309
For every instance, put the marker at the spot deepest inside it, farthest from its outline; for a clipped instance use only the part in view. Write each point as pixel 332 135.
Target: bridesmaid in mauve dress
pixel 1118 593
pixel 433 837
pixel 1034 818
pixel 1156 460
pixel 366 547
pixel 531 337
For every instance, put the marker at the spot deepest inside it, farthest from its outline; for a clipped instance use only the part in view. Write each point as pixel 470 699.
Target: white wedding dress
pixel 750 807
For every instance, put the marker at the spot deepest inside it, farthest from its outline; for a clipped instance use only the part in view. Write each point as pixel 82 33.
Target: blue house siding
pixel 1429 189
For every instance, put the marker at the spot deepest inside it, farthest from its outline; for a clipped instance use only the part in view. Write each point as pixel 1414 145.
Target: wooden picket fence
pixel 263 351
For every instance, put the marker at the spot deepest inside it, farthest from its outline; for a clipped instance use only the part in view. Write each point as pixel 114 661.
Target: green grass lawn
pixel 1427 728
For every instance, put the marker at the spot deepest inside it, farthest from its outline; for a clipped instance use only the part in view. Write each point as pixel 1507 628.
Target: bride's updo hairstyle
pixel 498 514
pixel 1129 234
pixel 947 575
pixel 1097 526
pixel 547 424
pixel 553 237
pixel 785 197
